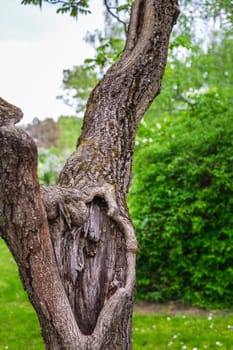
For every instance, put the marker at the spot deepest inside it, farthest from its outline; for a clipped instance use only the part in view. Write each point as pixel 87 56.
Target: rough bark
pixel 82 280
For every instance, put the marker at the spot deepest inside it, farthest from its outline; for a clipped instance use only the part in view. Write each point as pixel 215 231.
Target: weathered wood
pixel 74 243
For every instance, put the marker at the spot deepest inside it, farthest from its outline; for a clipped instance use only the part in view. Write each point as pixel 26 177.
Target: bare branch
pixel 109 9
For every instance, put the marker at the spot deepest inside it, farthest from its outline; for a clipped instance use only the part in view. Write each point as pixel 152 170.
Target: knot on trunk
pixel 64 204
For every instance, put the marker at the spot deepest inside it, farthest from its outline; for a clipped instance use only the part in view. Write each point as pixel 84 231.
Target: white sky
pixel 35 47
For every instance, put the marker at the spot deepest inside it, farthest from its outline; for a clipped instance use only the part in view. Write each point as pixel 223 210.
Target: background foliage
pixel 55 141
pixel 181 194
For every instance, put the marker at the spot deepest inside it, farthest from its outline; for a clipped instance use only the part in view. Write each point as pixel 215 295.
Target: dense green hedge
pixel 182 204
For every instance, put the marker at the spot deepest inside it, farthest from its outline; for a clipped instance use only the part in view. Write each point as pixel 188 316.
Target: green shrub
pixel 182 202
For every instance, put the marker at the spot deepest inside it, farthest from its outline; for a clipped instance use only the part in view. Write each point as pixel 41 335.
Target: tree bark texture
pixel 74 243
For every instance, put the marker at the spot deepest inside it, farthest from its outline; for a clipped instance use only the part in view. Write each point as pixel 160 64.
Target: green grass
pixel 164 332
pixel 19 327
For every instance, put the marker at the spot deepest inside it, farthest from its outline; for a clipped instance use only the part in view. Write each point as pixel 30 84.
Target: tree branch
pixel 109 9
pixel 23 225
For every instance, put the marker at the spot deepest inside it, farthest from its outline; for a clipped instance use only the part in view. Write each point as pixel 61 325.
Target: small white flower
pixel 209 318
pixel 168 318
pixel 154 326
pixel 230 327
pixel 184 347
pixel 195 348
pixel 170 343
pixel 175 336
pixel 218 343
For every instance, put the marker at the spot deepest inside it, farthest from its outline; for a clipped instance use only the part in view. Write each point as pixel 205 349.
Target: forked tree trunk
pixel 74 243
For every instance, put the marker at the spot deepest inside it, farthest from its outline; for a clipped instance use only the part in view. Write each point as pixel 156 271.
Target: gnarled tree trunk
pixel 74 243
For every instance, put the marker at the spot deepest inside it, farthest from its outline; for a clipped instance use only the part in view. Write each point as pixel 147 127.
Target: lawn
pixel 179 332
pixel 19 327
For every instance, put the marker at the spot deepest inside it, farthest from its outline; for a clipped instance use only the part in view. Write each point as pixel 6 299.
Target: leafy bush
pixel 182 202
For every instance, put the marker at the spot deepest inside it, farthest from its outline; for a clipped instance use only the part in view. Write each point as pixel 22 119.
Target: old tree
pixel 74 243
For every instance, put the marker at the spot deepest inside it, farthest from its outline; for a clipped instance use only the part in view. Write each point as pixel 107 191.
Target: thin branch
pixel 109 9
